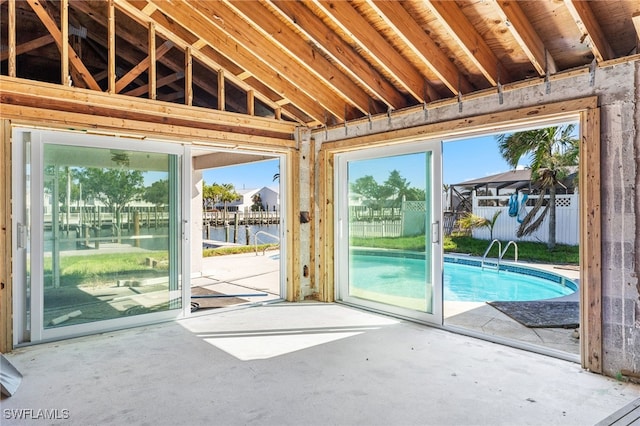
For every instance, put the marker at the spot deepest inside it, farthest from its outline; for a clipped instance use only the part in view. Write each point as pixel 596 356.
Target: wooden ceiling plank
pixel 53 29
pixel 210 58
pixel 308 57
pixel 588 24
pixel 526 36
pixel 410 32
pixel 370 41
pixel 223 22
pixel 463 32
pixel 142 66
pixel 340 52
pixel 268 77
pixel 170 30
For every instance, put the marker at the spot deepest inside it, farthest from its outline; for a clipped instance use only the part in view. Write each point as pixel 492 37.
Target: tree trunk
pixel 551 243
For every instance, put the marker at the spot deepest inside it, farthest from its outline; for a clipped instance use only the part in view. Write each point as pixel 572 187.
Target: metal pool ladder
pixel 501 253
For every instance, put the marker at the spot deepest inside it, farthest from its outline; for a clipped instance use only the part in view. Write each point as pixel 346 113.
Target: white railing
pixel 567 219
pixel 375 229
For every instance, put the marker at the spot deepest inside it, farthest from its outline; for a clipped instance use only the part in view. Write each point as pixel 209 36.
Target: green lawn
pixel 527 251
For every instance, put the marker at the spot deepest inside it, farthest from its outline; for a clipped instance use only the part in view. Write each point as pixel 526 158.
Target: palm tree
pixel 552 150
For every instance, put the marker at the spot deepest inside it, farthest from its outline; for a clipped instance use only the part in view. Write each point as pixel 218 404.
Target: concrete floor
pixel 302 364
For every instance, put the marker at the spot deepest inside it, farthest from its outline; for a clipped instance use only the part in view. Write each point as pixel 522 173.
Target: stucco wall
pixel 617 89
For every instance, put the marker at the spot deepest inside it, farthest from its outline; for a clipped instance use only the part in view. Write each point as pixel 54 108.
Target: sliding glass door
pixel 388 251
pixel 104 232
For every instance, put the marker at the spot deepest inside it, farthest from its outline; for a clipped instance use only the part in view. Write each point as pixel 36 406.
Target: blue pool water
pixel 464 280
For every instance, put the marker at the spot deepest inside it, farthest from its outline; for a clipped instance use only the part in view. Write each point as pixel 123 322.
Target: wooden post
pixel 136 227
pixel 247 234
pixel 236 221
pixel 226 231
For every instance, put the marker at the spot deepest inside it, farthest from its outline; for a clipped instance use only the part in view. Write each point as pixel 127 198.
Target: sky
pixel 462 160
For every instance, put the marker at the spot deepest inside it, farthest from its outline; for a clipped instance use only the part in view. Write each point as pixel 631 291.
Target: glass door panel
pixel 389 257
pixel 109 234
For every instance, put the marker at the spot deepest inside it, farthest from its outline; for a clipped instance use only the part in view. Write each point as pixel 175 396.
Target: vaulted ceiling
pixel 315 62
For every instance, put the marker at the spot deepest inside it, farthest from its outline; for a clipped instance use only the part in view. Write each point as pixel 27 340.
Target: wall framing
pixel 590 204
pixel 43 105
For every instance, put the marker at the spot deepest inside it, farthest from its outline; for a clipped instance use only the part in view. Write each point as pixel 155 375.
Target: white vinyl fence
pixel 567 219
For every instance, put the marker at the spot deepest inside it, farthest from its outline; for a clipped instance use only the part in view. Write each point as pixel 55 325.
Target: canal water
pixel 266 236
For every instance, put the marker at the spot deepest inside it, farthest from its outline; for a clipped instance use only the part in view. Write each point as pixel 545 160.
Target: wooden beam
pixel 142 66
pixel 64 43
pixel 306 55
pixel 76 62
pixel 340 52
pixel 152 61
pixel 25 47
pixel 590 242
pixel 12 51
pixel 636 23
pixel 251 104
pixel 414 37
pixel 282 87
pixel 588 25
pixel 164 81
pixel 371 41
pixel 111 47
pixel 221 90
pixel 188 77
pixel 224 27
pixel 472 43
pixel 168 129
pixel 78 100
pixel 521 29
pixel 6 237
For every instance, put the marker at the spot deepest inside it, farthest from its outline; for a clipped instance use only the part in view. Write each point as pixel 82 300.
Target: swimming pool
pixel 464 279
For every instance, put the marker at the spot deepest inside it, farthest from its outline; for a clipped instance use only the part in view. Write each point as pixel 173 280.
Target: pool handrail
pixel 486 252
pixel 255 240
pixel 515 248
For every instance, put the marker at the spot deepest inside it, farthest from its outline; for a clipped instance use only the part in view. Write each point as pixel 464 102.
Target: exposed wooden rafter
pixel 529 41
pixel 458 26
pixel 376 47
pixel 340 52
pixel 587 23
pixel 408 30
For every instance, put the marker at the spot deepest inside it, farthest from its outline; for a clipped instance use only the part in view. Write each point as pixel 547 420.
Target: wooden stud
pixel 81 71
pixel 111 47
pixel 152 61
pixel 251 102
pixel 64 42
pixel 52 96
pixel 6 227
pixel 221 91
pixel 142 66
pixel 12 38
pixel 188 77
pixel 590 242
